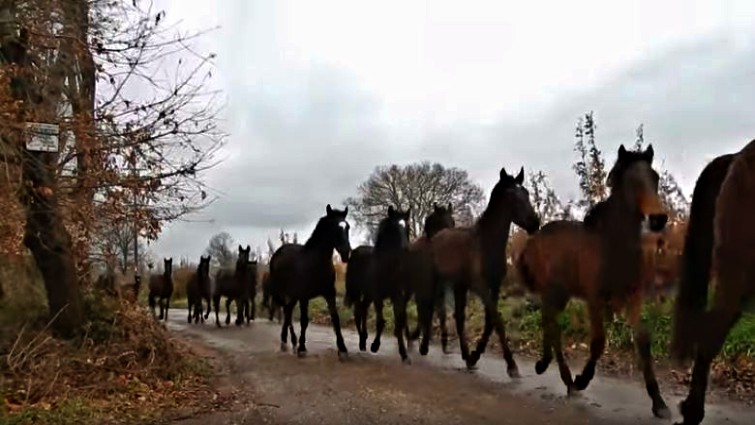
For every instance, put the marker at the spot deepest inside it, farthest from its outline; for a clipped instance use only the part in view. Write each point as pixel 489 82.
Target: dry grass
pixel 124 369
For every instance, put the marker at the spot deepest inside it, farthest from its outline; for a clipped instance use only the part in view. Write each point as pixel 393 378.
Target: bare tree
pixel 415 186
pixel 221 249
pixel 133 137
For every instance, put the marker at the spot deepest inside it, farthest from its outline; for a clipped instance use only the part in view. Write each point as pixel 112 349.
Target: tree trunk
pixel 45 234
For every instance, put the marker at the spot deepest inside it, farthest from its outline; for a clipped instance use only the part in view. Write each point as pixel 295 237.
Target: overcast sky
pixel 318 93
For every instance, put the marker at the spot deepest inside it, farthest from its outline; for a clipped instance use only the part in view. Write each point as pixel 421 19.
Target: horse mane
pixel 697 255
pixel 319 234
pixel 491 214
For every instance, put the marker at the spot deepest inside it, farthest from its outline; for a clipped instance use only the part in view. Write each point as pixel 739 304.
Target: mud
pixel 280 388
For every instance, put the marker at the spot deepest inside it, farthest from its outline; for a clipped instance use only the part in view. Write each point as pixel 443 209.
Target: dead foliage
pixel 125 366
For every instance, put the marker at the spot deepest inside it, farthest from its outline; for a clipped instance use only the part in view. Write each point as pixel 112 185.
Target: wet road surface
pixel 377 388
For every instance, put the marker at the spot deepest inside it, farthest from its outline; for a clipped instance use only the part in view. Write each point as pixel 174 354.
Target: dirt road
pixel 279 388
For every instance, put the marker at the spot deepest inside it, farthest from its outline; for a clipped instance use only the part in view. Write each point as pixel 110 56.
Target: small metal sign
pixel 42 137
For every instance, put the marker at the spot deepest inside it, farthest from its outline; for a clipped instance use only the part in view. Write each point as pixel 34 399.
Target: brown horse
pixel 233 284
pixel 420 281
pixel 161 289
pixel 474 258
pixel 198 289
pixel 599 261
pixel 720 230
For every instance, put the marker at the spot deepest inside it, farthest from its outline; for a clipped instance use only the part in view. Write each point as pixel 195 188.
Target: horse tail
pixel 697 258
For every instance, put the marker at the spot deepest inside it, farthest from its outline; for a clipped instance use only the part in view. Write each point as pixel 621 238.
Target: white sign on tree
pixel 42 137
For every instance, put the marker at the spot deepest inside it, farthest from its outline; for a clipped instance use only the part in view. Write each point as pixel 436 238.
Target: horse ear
pixel 435 206
pixel 450 207
pixel 622 151
pixel 391 211
pixel 519 179
pixel 329 210
pixel 503 173
pixel 248 249
pixel 345 211
pixel 649 153
pixel 408 213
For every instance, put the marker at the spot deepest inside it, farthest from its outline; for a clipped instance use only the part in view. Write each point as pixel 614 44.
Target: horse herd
pixel 598 260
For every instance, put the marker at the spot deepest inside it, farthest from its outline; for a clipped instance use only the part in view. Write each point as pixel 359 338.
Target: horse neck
pixel 622 225
pixel 492 229
pixel 318 245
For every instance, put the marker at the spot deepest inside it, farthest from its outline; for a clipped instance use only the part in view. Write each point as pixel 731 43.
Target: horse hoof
pixel 541 366
pixel 406 360
pixel 662 412
pixel 423 350
pixel 362 346
pixel 471 366
pixel 473 358
pixel 513 372
pixel 690 415
pixel 572 391
pixel 581 383
pixel 301 353
pixel 343 355
pixel 284 347
pixel 375 347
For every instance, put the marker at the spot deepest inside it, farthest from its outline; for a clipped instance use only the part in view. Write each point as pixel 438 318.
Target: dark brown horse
pixel 198 289
pixel 273 309
pixel 474 258
pixel 299 273
pixel 250 294
pixel 234 285
pixel 600 261
pixel 720 229
pixel 161 289
pixel 359 292
pixel 420 280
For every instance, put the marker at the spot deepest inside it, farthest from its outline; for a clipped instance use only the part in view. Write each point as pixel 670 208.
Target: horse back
pixel 734 246
pixel 358 274
pixel 453 251
pixel 564 255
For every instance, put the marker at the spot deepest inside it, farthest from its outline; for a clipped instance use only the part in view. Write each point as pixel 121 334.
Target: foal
pixel 233 284
pixel 161 289
pixel 475 259
pixel 197 289
pixel 299 273
pixel 599 260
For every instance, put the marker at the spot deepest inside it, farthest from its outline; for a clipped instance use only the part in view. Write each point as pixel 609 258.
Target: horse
pixel 599 260
pixel 358 289
pixel 419 279
pixel 299 273
pixel 718 242
pixel 248 304
pixel 268 303
pixel 233 284
pixel 197 289
pixel 474 258
pixel 391 244
pixel 161 289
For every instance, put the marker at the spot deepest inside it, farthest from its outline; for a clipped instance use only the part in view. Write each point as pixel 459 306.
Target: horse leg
pixel 719 321
pixel 553 305
pixel 360 311
pixel 442 316
pixel 642 342
pixel 425 316
pixel 167 307
pixel 597 343
pixel 191 311
pixel 460 306
pixel 216 304
pixel 253 306
pixel 330 299
pixel 240 310
pixel 488 329
pixel 399 320
pixel 491 310
pixel 152 304
pixel 287 314
pixel 228 311
pixel 303 322
pixel 379 325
